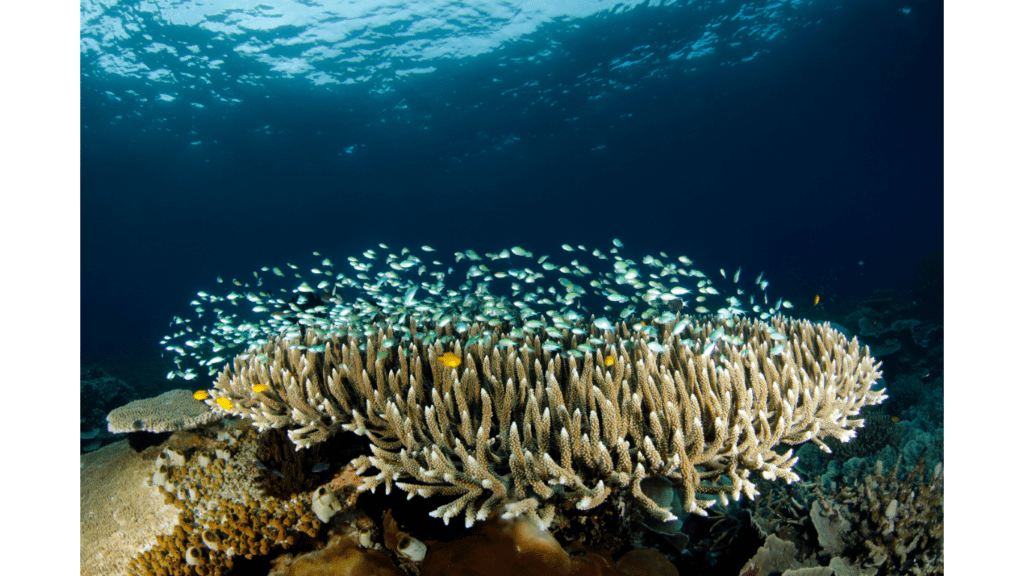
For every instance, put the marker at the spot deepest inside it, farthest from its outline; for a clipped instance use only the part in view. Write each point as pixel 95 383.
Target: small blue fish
pixel 410 296
pixel 679 327
pixel 321 467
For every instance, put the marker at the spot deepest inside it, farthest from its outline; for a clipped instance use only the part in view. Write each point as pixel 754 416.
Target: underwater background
pixel 801 139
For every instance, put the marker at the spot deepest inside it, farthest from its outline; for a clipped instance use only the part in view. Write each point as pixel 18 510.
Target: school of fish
pixel 510 290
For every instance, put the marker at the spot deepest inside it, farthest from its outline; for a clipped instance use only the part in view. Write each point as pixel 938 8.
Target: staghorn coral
pixel 168 412
pixel 512 425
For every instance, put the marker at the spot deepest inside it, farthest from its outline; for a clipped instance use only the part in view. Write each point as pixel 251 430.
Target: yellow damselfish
pixel 450 360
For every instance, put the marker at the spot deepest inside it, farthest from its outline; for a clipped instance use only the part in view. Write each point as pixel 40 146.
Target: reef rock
pixel 120 515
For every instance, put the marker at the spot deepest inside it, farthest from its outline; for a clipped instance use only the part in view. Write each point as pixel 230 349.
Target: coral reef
pixel 872 523
pixel 704 421
pixel 784 511
pixel 564 443
pixel 168 412
pixel 889 522
pixel 211 515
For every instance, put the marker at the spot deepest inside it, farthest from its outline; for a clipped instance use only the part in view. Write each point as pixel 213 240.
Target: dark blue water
pixel 802 139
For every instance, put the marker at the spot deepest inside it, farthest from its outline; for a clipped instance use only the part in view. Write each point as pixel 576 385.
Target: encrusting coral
pixel 511 424
pixel 168 412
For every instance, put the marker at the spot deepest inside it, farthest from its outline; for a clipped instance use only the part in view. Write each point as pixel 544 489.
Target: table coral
pixel 168 412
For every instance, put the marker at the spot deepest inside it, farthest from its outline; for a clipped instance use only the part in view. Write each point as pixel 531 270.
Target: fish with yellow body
pixel 450 360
